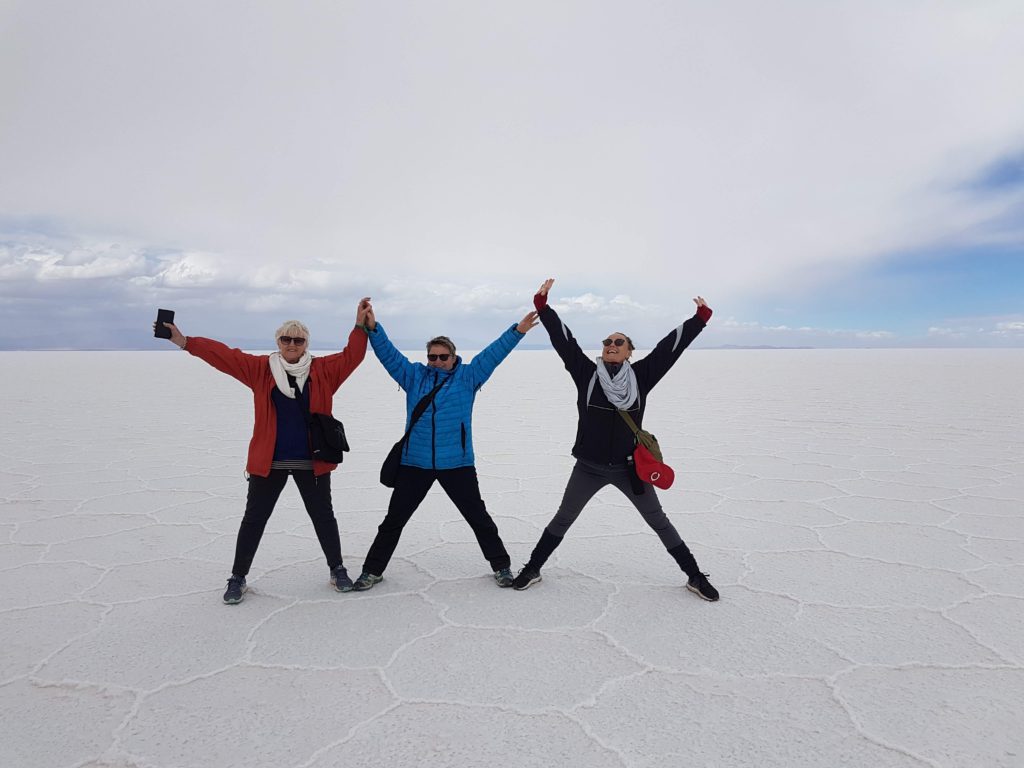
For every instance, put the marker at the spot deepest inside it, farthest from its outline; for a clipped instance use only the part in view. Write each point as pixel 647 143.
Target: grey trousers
pixel 588 478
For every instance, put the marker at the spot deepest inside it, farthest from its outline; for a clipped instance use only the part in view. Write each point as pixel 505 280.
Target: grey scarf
pixel 622 390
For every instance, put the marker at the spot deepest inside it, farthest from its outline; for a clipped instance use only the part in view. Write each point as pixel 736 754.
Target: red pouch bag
pixel 650 470
pixel 647 458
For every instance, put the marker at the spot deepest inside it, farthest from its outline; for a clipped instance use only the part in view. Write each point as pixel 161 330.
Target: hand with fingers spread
pixel 529 321
pixel 540 299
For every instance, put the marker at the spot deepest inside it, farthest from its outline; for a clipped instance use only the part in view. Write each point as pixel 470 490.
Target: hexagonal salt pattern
pixel 950 717
pixel 58 725
pixel 456 736
pixel 861 512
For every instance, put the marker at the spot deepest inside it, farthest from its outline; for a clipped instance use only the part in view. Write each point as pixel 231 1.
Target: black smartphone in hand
pixel 163 316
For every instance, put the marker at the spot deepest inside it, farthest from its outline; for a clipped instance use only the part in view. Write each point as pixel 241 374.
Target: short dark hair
pixel 444 341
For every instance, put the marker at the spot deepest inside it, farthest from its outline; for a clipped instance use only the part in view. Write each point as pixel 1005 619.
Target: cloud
pixel 21 263
pixel 445 158
pixel 752 332
pixel 1009 330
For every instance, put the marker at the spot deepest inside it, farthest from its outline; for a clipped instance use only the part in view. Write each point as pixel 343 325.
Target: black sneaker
pixel 503 577
pixel 340 579
pixel 526 578
pixel 701 587
pixel 366 580
pixel 235 591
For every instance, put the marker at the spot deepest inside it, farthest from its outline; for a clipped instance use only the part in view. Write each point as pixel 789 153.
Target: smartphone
pixel 163 316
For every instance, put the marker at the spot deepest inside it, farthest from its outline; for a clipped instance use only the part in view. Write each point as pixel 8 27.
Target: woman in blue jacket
pixel 440 446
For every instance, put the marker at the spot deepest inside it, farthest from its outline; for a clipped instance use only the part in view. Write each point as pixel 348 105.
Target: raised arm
pixel 340 365
pixel 483 365
pixel 233 362
pixel 653 367
pixel 395 363
pixel 579 366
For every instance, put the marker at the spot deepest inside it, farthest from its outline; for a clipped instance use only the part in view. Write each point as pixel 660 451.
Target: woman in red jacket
pixel 280 438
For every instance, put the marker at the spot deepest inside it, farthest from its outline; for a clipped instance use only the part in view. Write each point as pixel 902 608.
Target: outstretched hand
pixel 529 321
pixel 703 310
pixel 540 299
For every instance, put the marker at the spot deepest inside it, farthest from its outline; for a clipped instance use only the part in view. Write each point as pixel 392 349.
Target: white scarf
pixel 622 391
pixel 280 368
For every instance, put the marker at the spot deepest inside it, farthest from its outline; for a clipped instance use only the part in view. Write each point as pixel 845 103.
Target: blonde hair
pixel 292 328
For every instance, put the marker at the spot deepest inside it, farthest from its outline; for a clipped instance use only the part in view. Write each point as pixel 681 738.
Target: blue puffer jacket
pixel 443 436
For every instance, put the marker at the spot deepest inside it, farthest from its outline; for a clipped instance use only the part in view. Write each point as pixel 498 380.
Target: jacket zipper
pixel 433 429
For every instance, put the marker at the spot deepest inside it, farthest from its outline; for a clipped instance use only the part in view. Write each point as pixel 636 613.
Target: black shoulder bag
pixel 389 469
pixel 326 434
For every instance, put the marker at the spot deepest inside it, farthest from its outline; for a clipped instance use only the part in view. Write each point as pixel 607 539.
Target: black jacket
pixel 602 435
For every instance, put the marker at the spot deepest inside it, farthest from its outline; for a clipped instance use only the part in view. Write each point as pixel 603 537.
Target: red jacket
pixel 325 377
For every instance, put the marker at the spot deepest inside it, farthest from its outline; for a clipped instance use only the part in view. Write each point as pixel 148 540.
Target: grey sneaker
pixel 366 580
pixel 236 590
pixel 340 579
pixel 701 587
pixel 503 577
pixel 526 578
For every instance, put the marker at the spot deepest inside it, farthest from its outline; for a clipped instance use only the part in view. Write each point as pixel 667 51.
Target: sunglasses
pixel 616 342
pixel 442 358
pixel 298 341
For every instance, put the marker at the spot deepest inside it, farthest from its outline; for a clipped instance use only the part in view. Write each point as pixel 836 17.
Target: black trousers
pixel 411 488
pixel 588 478
pixel 263 495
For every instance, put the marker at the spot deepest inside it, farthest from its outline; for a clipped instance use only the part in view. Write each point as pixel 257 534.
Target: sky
pixel 828 175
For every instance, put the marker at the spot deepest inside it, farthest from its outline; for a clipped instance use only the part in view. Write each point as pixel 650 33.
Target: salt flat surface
pixel 860 511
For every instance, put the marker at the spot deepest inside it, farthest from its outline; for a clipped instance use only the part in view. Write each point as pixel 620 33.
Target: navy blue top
pixel 292 434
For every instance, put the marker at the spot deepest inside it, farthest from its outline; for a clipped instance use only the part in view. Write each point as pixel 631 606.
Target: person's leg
pixel 584 482
pixel 410 490
pixel 316 496
pixel 261 499
pixel 649 507
pixel 463 488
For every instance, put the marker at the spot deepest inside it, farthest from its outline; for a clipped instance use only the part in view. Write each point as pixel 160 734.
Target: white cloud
pixel 592 303
pixel 34 264
pixel 396 140
pixel 446 162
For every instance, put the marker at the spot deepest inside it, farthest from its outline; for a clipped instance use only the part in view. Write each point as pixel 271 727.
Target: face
pixel 616 353
pixel 291 347
pixel 437 362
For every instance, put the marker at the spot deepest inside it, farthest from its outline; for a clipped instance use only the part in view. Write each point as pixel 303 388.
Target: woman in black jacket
pixel 604 442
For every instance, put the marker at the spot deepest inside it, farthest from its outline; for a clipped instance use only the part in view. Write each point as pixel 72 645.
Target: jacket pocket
pixel 463 438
